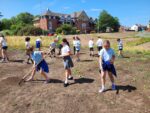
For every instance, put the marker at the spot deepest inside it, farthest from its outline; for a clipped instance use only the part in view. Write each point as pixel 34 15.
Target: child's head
pixel 118 39
pixel 106 44
pixel 27 39
pixel 74 38
pixel 99 37
pixel 1 35
pixel 31 49
pixel 64 41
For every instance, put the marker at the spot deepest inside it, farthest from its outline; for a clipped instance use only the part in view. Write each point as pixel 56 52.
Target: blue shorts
pixel 44 66
pixel 68 62
pixel 38 44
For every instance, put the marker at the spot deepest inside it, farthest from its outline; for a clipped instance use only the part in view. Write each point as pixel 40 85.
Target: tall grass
pixel 18 42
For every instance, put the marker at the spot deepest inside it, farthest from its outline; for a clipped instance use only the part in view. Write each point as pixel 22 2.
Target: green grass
pixel 138 42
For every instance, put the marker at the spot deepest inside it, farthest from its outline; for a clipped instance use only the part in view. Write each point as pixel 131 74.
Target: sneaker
pixel 47 81
pixel 70 78
pixel 2 61
pixel 66 84
pixel 113 87
pixel 102 90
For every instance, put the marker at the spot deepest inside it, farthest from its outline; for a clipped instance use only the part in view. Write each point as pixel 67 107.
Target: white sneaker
pixel 101 90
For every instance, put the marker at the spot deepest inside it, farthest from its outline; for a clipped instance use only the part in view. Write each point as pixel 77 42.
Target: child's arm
pixel 100 62
pixel 113 59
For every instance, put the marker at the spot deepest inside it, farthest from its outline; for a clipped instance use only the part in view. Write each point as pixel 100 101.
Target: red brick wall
pixel 79 23
pixel 44 24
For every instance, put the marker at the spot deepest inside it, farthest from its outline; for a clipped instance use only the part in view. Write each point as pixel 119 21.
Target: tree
pixel 25 18
pixel 6 23
pixel 106 20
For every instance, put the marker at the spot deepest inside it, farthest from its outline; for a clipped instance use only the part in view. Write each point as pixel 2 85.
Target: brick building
pixel 51 21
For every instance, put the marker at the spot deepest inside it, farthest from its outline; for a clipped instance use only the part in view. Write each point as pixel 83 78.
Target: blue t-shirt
pixel 37 57
pixel 106 54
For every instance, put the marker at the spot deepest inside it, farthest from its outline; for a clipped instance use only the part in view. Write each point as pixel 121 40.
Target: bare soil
pixel 132 94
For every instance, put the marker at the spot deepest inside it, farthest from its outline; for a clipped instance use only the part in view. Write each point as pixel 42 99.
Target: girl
pixel 120 48
pixel 68 64
pixel 106 59
pixel 28 52
pixel 39 65
pixel 91 47
pixel 77 47
pixel 38 44
pixel 74 48
pixel 4 48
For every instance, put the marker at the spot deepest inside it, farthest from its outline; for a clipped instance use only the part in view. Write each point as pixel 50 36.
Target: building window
pixel 83 25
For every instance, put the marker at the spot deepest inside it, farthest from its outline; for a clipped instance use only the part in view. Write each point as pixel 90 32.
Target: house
pixel 51 21
pixel 138 27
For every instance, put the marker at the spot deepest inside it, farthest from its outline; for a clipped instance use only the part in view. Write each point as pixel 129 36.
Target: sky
pixel 129 12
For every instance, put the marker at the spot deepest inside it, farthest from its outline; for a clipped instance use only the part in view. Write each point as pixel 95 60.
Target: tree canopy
pixel 106 20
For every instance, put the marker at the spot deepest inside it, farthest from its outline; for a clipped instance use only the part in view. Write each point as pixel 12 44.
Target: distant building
pixel 138 27
pixel 51 21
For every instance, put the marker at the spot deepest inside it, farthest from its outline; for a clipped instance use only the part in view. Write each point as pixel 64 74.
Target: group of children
pixel 105 52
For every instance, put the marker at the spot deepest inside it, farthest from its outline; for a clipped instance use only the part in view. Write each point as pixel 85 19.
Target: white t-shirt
pixel 3 42
pixel 91 44
pixel 65 49
pixel 99 43
pixel 74 42
pixel 27 44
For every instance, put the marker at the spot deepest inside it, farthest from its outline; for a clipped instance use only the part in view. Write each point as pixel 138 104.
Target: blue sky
pixel 128 11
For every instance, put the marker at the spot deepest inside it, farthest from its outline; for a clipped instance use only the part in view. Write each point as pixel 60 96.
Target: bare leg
pixel 111 77
pixel 44 75
pixel 103 78
pixel 66 75
pixel 32 75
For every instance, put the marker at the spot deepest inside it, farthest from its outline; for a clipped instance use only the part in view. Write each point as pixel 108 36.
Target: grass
pixel 17 42
pixel 138 42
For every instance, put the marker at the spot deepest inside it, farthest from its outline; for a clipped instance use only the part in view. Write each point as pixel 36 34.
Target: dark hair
pixel 74 38
pixel 99 37
pixel 107 42
pixel 27 39
pixel 64 40
pixel 118 39
pixel 1 35
pixel 31 49
pixel 77 38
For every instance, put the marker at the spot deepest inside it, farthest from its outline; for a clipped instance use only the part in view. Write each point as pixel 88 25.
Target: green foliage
pixel 66 29
pixel 106 20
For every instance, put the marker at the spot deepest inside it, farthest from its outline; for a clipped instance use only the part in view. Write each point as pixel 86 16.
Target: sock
pixel 66 81
pixel 70 76
pixel 103 87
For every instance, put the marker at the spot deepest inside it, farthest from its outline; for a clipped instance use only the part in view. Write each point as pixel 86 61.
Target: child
pixel 68 64
pixel 107 58
pixel 120 47
pixel 74 48
pixel 99 44
pixel 28 52
pixel 38 44
pixel 52 48
pixel 39 65
pixel 91 47
pixel 4 47
pixel 77 47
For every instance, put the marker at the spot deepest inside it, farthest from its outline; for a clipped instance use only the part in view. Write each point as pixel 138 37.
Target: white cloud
pixel 95 9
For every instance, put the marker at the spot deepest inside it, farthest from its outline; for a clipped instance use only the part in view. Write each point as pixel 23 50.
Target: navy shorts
pixel 43 66
pixel 68 62
pixel 91 49
pixel 5 47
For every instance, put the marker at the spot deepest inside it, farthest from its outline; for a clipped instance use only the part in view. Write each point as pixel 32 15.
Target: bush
pixel 31 31
pixel 66 29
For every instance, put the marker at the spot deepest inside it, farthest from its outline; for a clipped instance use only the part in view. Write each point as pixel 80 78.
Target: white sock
pixel 103 87
pixel 70 76
pixel 66 81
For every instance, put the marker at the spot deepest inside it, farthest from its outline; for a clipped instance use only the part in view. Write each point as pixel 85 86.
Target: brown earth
pixel 132 94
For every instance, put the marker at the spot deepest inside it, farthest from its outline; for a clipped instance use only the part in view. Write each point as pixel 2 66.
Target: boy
pixel 38 44
pixel 68 64
pixel 99 44
pixel 39 65
pixel 106 60
pixel 120 47
pixel 91 47
pixel 28 46
pixel 52 48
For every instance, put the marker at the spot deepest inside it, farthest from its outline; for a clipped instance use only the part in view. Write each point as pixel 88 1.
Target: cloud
pixel 95 9
pixel 83 1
